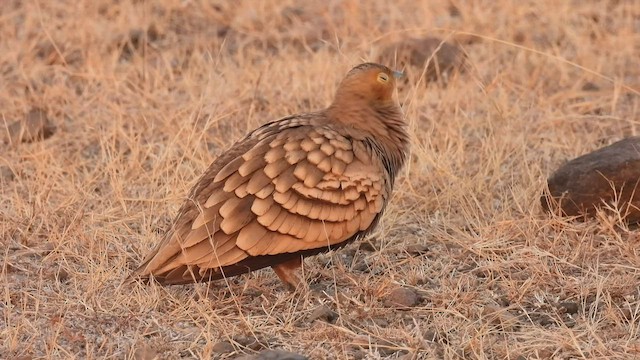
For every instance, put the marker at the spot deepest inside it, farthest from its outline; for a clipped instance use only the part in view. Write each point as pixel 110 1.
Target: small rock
pixel 541 318
pixel 63 54
pixel 6 174
pixel 361 266
pixel 569 307
pixel 431 335
pixel 569 322
pixel 153 33
pixel 138 38
pixel 8 268
pixel 38 250
pixel 253 292
pixel 402 297
pixel 589 86
pixel 356 353
pixel 324 313
pixel 482 273
pixel 454 11
pixel 391 349
pixel 61 275
pixel 417 249
pixel 498 316
pixel 416 52
pixel 366 246
pixel 145 352
pixel 384 347
pixel 545 353
pixel 275 355
pixel 381 322
pixel 519 37
pixel 34 127
pixel 609 174
pixel 405 355
pixel 249 342
pixel 151 330
pixel 222 347
pixel 504 301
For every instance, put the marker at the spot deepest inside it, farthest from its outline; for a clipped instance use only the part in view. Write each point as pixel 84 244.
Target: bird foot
pixel 286 273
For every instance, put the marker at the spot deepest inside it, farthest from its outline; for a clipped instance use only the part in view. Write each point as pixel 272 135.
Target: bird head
pixel 369 82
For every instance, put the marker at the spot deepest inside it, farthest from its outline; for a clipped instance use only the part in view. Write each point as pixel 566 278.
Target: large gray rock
pixel 598 178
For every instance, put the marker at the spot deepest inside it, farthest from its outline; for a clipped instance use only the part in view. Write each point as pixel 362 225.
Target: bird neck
pixel 381 125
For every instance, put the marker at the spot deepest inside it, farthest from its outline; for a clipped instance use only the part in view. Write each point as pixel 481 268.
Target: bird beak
pixel 398 74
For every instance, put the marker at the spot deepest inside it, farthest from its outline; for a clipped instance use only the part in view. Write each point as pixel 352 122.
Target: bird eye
pixel 383 77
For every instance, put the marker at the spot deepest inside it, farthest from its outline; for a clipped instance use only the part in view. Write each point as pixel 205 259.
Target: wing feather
pixel 287 187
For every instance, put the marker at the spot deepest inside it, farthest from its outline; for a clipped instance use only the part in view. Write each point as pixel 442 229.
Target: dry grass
pixel 145 94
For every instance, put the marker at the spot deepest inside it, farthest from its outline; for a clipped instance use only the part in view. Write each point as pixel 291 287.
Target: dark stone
pixel 34 127
pixel 137 39
pixel 61 275
pixel 6 174
pixel 500 317
pixel 589 86
pixel 569 307
pixel 250 342
pixel 145 352
pixel 588 182
pixel 222 347
pixel 275 355
pixel 323 313
pixel 417 249
pixel 402 297
pixel 384 347
pixel 366 246
pixel 541 318
pixel 454 11
pixel 432 336
pixel 380 322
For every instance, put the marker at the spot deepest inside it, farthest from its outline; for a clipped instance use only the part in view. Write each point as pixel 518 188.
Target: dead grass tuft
pixel 143 96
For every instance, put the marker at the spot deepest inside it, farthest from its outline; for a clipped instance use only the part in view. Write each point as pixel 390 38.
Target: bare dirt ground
pixel 143 96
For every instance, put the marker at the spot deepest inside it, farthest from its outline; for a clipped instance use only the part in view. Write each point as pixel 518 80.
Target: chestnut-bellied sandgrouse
pixel 292 188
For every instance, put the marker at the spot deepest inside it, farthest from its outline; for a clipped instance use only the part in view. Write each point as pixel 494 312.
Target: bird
pixel 292 188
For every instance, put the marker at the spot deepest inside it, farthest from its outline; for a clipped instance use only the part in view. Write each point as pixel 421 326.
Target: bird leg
pixel 286 272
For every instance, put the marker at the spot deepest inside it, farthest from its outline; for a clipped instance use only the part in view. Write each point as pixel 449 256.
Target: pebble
pixel 569 307
pixel 222 347
pixel 401 297
pixel 274 355
pixel 34 127
pixel 323 313
pixel 499 316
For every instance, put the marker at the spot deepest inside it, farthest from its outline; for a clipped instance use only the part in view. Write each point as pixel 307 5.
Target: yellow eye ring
pixel 383 77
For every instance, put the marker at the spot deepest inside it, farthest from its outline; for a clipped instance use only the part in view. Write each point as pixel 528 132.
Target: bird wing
pixel 289 186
